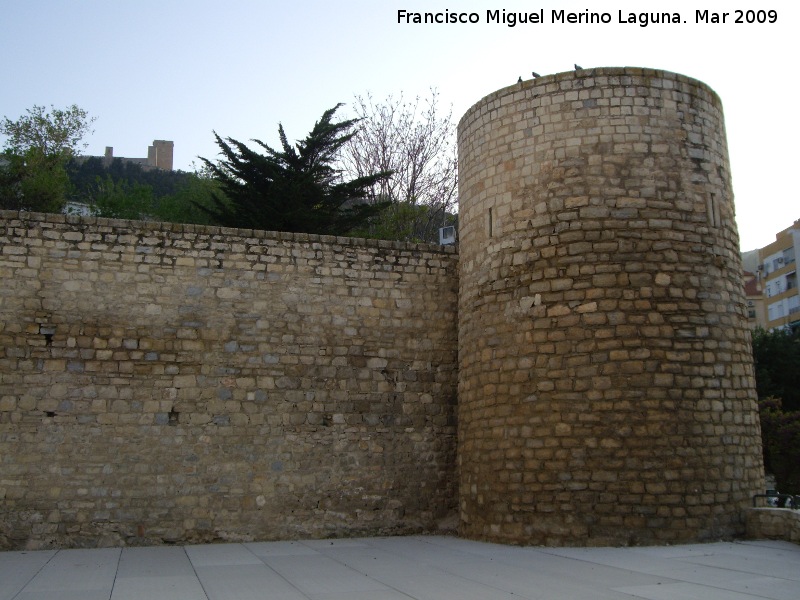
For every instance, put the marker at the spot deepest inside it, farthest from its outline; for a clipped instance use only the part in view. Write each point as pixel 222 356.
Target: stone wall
pixel 606 389
pixel 183 384
pixel 773 524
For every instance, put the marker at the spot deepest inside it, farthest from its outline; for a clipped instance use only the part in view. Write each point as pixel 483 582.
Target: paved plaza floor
pixel 399 568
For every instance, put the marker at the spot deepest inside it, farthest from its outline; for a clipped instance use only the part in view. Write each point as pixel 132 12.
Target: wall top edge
pixel 638 76
pixel 31 218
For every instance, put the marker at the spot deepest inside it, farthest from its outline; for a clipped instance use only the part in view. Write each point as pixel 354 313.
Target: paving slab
pixel 159 587
pixel 684 591
pixel 218 555
pixel 403 568
pixel 317 574
pixel 74 575
pixel 163 573
pixel 412 577
pixel 246 582
pixel 263 549
pixel 17 569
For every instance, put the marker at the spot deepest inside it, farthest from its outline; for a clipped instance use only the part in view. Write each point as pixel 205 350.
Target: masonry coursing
pixel 184 384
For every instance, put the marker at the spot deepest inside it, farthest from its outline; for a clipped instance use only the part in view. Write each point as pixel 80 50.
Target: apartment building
pixel 778 270
pixel 754 296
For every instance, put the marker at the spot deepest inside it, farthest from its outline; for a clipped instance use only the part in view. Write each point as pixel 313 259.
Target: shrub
pixel 780 432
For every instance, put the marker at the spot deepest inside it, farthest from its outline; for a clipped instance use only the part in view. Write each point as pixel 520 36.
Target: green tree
pixel 38 146
pixel 780 432
pixel 121 200
pixel 126 190
pixel 294 189
pixel 58 132
pixel 32 181
pixel 407 221
pixel 191 201
pixel 776 355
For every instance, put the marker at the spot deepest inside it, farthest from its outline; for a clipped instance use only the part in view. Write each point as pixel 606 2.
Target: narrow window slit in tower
pixel 713 211
pixel 491 223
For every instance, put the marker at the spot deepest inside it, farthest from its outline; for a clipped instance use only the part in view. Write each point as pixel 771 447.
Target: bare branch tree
pixel 416 142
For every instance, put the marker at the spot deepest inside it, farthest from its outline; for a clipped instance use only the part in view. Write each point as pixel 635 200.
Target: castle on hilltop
pixel 577 371
pixel 159 156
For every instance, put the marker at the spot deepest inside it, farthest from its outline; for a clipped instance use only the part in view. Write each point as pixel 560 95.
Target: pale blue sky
pixel 162 69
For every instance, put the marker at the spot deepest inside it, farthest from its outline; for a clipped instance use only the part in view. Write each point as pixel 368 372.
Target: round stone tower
pixel 606 391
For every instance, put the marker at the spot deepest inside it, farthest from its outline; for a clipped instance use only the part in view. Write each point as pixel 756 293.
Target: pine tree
pixel 295 189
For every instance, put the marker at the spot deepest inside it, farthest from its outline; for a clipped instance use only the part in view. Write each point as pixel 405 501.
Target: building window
pixel 776 311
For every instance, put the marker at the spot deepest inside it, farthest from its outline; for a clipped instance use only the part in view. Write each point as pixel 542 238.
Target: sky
pixel 163 69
